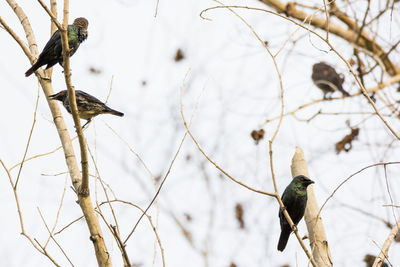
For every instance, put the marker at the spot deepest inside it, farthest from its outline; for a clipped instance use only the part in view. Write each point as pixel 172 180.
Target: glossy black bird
pixel 295 200
pixel 88 105
pixel 327 79
pixel 52 52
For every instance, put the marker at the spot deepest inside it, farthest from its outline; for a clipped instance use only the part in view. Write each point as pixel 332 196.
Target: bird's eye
pixel 302 179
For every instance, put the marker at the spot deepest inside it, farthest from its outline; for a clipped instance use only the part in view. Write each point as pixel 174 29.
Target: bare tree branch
pixel 385 248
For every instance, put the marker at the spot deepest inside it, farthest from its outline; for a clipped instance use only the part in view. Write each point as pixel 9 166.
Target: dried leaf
pixel 346 143
pixel 239 215
pixel 188 217
pixel 257 135
pixel 179 55
pixel 94 70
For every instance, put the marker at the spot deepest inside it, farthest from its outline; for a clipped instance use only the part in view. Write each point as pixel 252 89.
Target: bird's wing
pixel 80 95
pixel 281 215
pixel 52 43
pixel 297 208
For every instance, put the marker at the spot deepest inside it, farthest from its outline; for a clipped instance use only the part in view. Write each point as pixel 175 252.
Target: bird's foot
pixel 83 127
pixel 70 71
pixel 45 78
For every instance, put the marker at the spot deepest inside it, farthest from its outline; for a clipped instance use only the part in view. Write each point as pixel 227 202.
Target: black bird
pixel 295 200
pixel 52 52
pixel 88 105
pixel 327 79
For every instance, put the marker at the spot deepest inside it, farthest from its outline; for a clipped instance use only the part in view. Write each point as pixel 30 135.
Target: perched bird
pixel 295 200
pixel 88 106
pixel 52 52
pixel 326 78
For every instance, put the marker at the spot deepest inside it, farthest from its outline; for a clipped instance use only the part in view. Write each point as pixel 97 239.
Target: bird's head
pixel 81 23
pixel 303 181
pixel 59 96
pixel 319 66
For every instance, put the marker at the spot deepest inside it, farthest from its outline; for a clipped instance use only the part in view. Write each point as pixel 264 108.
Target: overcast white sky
pixel 239 89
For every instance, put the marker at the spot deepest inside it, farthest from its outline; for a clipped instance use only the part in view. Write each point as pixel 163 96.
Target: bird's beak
pixel 310 182
pixel 55 96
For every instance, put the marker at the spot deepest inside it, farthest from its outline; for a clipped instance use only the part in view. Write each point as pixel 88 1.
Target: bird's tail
pixel 283 239
pixel 343 91
pixel 32 69
pixel 116 113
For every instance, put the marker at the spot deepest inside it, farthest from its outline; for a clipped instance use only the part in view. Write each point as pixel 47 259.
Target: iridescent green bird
pixel 295 200
pixel 52 52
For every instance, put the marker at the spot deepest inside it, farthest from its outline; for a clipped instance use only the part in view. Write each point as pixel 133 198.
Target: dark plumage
pixel 327 79
pixel 295 200
pixel 88 105
pixel 52 52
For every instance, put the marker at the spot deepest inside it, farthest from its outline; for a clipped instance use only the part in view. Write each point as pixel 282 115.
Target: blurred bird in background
pixel 327 79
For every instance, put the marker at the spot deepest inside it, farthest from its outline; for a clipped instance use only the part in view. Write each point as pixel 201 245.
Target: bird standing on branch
pixel 295 200
pixel 52 52
pixel 88 105
pixel 327 79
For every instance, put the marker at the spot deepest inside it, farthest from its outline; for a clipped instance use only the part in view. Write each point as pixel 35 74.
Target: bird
pixel 52 52
pixel 295 200
pixel 327 79
pixel 88 105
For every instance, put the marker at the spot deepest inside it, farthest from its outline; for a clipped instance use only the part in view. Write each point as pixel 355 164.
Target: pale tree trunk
pixel 316 231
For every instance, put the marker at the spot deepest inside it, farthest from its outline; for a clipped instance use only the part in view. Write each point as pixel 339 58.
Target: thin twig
pixel 104 190
pixel 17 39
pixel 208 157
pixel 132 150
pixel 150 221
pixel 156 11
pixel 27 28
pixel 52 238
pixel 385 248
pixel 113 229
pixel 122 246
pixel 21 221
pixel 58 211
pixel 52 16
pixel 159 188
pixel 44 251
pixel 351 176
pixel 29 139
pixel 68 225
